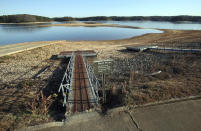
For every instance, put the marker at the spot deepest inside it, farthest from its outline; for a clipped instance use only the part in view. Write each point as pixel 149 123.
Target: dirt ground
pixel 24 75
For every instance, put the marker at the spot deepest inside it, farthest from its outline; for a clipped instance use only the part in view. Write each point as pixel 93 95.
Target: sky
pixel 84 8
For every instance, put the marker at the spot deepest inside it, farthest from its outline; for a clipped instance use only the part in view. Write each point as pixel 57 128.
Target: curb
pixel 123 108
pixel 174 100
pixel 77 118
pixel 42 126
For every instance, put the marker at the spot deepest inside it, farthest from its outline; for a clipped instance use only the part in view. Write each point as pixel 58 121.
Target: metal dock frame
pixel 94 84
pixel 66 84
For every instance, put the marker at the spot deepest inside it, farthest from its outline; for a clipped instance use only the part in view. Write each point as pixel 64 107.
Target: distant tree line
pixel 23 18
pixel 64 19
pixel 134 18
pixel 33 18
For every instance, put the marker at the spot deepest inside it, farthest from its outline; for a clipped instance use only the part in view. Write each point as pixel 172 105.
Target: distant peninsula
pixel 25 18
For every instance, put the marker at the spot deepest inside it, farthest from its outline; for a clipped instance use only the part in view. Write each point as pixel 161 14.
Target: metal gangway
pixel 79 85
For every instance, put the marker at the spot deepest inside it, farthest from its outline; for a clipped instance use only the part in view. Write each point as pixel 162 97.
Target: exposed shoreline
pixel 149 36
pixel 92 25
pixel 19 87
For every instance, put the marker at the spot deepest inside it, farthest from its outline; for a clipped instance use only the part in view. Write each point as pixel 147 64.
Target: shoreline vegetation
pixel 26 18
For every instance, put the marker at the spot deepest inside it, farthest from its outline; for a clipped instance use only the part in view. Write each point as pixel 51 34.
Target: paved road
pixel 15 48
pixel 179 116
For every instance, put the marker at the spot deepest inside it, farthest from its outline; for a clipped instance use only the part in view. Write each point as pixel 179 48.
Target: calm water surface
pixel 10 34
pixel 159 25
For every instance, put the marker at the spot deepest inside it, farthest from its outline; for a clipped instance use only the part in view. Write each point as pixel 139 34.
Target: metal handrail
pixel 66 83
pixel 94 83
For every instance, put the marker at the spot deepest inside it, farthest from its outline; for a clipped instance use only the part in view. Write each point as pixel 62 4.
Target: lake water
pixel 159 25
pixel 10 34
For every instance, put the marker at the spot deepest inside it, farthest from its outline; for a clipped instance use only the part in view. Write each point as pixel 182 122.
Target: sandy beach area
pixel 91 24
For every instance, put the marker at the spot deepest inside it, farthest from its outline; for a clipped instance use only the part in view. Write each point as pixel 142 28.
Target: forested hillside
pixel 33 18
pixel 150 18
pixel 133 18
pixel 23 18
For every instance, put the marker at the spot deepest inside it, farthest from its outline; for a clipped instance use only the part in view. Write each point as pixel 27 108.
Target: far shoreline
pixel 25 23
pixel 93 25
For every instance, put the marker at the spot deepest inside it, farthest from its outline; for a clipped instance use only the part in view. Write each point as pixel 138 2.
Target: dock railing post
pixel 103 87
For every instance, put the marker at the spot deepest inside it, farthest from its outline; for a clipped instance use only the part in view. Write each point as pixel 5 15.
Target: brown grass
pixel 179 78
pixel 40 105
pixel 23 104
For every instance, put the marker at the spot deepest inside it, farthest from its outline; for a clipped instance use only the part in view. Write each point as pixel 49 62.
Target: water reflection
pixel 21 28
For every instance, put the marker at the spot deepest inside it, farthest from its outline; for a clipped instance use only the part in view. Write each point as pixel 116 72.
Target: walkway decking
pixel 81 85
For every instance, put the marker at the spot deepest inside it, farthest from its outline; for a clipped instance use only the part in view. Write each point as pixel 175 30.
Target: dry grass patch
pixel 23 104
pixel 179 78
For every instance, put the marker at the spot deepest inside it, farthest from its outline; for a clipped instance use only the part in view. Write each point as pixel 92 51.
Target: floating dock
pixel 140 48
pixel 145 48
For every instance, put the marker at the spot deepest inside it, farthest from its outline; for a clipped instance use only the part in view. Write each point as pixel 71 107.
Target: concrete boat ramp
pixel 16 48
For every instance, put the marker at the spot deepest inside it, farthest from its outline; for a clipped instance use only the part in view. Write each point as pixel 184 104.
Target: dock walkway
pixel 79 85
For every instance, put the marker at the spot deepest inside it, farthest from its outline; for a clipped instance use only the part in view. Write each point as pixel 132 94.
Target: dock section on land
pixel 85 53
pixel 79 86
pixel 155 48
